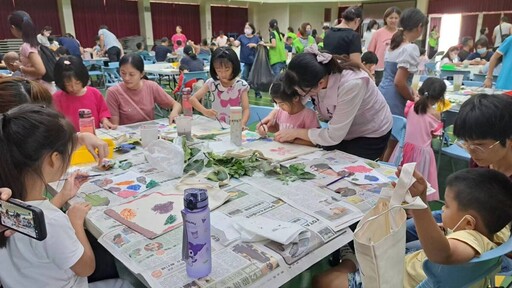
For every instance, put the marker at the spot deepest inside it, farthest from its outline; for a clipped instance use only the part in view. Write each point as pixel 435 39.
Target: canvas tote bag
pixel 379 238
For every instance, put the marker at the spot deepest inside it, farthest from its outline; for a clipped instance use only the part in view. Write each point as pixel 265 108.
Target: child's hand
pixel 77 213
pixel 210 113
pixel 73 184
pixel 286 135
pixel 108 125
pixel 262 129
pixel 419 187
pixel 172 116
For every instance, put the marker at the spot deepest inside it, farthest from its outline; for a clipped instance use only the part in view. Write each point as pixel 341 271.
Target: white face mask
pixel 248 31
pixel 481 51
pixel 448 231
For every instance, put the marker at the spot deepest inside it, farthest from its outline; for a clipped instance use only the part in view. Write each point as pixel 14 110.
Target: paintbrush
pixel 79 177
pixel 221 126
pixel 261 124
pixel 338 179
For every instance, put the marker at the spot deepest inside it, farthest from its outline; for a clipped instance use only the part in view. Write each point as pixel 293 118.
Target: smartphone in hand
pixel 23 218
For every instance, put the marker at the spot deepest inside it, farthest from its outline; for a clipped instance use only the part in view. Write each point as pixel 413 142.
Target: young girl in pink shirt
pixel 71 76
pixel 291 114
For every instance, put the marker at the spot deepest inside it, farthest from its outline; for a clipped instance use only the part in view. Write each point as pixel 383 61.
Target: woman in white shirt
pixel 372 27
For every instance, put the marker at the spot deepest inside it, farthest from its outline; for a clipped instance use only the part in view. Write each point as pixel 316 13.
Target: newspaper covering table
pixel 324 212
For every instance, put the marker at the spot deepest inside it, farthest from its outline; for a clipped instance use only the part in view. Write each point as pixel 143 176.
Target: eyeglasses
pixel 476 148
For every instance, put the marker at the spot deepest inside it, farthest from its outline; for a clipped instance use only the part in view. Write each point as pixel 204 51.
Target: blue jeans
pixel 246 69
pixel 277 68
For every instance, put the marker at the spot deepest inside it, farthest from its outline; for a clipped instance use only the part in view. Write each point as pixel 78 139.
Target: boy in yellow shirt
pixel 470 220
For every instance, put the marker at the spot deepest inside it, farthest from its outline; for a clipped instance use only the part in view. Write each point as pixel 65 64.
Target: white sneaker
pixel 346 253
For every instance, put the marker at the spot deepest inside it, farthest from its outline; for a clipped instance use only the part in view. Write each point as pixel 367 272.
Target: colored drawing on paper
pixel 362 174
pixel 250 136
pixel 150 215
pixel 96 200
pixel 126 185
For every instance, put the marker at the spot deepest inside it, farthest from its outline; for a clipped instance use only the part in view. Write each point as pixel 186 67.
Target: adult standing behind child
pixel 109 44
pixel 226 89
pixel 248 43
pixel 423 123
pixel 31 65
pixel 178 36
pixel 71 76
pixel 342 39
pixel 134 99
pixel 382 38
pixel 401 62
pixel 291 113
pixel 191 61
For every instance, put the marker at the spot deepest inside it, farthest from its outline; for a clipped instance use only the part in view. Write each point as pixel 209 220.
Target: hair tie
pixel 401 29
pixel 321 57
pixel 425 94
pixel 67 62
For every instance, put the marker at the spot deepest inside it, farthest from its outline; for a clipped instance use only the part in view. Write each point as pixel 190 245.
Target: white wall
pixel 263 13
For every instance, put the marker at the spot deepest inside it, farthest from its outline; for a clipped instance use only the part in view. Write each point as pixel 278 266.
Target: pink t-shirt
pixel 225 97
pixel 25 50
pixel 305 119
pixel 177 37
pixel 70 104
pixel 423 126
pixel 380 44
pixel 132 106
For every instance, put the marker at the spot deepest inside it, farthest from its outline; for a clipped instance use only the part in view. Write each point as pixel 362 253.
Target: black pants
pixel 114 54
pixel 365 147
pixel 378 77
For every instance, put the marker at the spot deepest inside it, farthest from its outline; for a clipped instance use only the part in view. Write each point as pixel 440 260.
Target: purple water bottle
pixel 196 244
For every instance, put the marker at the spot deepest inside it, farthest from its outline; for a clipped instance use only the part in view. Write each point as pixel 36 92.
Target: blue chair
pixel 195 75
pixel 466 274
pixel 205 58
pixel 481 77
pixel 261 111
pixel 469 83
pixel 430 68
pixel 398 131
pixel 424 77
pixel 111 76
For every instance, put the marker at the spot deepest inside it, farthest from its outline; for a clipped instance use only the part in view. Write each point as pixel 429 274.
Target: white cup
pixel 184 126
pixel 457 82
pixel 148 134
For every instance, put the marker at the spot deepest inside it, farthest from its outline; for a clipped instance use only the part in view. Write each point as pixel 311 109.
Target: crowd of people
pixel 356 94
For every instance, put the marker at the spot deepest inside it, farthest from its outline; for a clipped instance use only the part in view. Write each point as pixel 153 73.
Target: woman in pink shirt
pixel 178 36
pixel 134 99
pixel 359 119
pixel 381 39
pixel 31 65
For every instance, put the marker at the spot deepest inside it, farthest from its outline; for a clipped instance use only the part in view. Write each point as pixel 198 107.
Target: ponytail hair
pixel 28 133
pixel 305 71
pixel 411 19
pixel 431 92
pixel 21 20
pixel 273 25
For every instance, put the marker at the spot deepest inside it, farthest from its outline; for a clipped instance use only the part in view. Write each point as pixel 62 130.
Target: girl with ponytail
pixel 401 63
pixel 424 122
pixel 30 65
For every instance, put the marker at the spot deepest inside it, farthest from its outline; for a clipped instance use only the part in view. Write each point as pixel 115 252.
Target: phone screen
pixel 23 218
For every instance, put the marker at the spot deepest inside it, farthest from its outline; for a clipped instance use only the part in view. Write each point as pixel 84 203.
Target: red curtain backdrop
pixel 490 21
pixel 229 19
pixel 121 17
pixel 468 26
pixel 166 16
pixel 43 13
pixel 465 6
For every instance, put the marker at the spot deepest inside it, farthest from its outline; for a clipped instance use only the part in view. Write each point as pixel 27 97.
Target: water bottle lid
pixel 195 199
pixel 84 113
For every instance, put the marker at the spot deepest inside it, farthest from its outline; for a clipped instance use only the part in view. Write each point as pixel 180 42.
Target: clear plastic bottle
pixel 185 101
pixel 197 252
pixel 235 123
pixel 86 121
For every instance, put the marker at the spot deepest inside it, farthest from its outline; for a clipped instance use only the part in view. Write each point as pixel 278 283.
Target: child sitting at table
pixel 226 89
pixel 469 223
pixel 423 122
pixel 370 60
pixel 482 55
pixel 71 76
pixel 291 113
pixel 36 143
pixel 450 57
pixel 183 69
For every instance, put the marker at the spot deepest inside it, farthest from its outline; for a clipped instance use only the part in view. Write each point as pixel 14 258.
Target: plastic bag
pixel 261 76
pixel 166 156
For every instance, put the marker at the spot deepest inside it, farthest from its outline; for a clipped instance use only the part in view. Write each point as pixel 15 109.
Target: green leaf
pixel 171 219
pixel 196 165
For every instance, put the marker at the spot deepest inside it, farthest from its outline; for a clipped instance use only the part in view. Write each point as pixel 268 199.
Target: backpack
pixel 49 61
